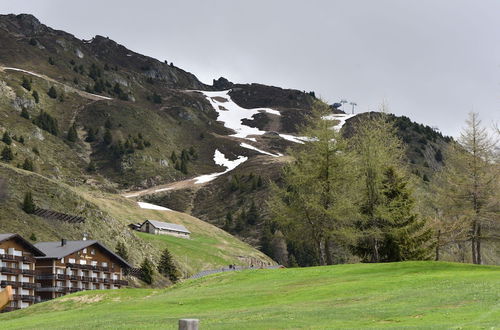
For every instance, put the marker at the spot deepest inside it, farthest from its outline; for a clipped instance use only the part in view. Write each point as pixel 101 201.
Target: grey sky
pixel 431 60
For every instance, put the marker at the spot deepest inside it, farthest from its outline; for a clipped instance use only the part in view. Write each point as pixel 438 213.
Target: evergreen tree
pixel 6 138
pixel 28 165
pixel 173 157
pixel 184 168
pixel 147 269
pixel 26 83
pixel 7 154
pixel 36 96
pixel 228 222
pixel 51 61
pixel 72 134
pixel 28 204
pixel 33 237
pixel 240 222
pixel 107 138
pixel 108 124
pixel 314 204
pixel 167 266
pixel 377 148
pixel 25 113
pixel 122 251
pixel 52 93
pixel 47 123
pixel 91 135
pixel 91 168
pixel 252 215
pixel 467 190
pixel 405 235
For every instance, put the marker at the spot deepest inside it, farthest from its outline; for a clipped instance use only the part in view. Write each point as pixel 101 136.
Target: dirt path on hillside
pixel 84 94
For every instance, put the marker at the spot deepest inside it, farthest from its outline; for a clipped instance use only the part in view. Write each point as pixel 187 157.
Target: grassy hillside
pixel 398 295
pixel 107 218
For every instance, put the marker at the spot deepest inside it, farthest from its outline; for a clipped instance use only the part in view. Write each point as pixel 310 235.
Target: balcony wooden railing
pixel 88 267
pixel 9 270
pixel 15 284
pixel 10 257
pixel 23 297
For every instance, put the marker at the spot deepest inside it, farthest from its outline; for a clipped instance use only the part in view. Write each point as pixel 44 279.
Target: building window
pixel 92 252
pixel 85 250
pixel 71 260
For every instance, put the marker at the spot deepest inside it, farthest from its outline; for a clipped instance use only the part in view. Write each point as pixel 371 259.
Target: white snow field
pixel 342 118
pixel 251 147
pixel 220 159
pixel 149 206
pixel 231 114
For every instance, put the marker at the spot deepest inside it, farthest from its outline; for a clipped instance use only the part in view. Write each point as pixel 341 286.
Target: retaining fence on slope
pixel 230 269
pixel 49 214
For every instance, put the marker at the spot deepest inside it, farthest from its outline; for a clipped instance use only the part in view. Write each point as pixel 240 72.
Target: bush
pixel 28 204
pixel 51 61
pixel 52 92
pixel 33 237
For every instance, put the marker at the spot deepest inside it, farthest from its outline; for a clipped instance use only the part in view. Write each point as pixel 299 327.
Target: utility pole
pixel 353 105
pixel 343 101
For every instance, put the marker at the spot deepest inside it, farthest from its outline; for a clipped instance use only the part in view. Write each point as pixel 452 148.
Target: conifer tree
pixel 7 154
pixel 252 215
pixel 36 96
pixel 467 190
pixel 26 83
pixel 173 157
pixel 28 204
pixel 147 269
pixel 122 251
pixel 377 148
pixel 405 234
pixel 28 165
pixel 72 134
pixel 25 113
pixel 52 93
pixel 33 237
pixel 6 138
pixel 167 266
pixel 314 205
pixel 184 168
pixel 228 222
pixel 107 138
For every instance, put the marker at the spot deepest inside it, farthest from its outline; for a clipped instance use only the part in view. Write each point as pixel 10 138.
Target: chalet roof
pixel 168 226
pixel 34 249
pixel 55 250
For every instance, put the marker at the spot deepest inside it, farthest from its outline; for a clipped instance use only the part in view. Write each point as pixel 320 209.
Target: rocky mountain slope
pixel 94 115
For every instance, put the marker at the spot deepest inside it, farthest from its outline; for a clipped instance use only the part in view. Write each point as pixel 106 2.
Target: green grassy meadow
pixel 433 295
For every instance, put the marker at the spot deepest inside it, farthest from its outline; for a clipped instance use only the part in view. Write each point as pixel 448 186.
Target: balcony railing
pixel 9 309
pixel 120 282
pixel 28 272
pixel 11 257
pixel 27 285
pixel 88 267
pixel 23 297
pixel 13 284
pixel 8 270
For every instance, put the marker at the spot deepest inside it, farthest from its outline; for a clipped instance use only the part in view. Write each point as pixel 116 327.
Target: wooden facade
pixel 90 267
pixel 18 270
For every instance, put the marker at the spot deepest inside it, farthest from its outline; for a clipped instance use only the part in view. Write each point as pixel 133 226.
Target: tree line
pixel 346 199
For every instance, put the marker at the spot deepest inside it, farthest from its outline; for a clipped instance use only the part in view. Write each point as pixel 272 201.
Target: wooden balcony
pixel 10 271
pixel 10 257
pixel 88 267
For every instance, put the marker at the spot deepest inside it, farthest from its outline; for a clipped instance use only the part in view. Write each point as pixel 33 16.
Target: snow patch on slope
pixel 220 159
pixel 251 147
pixel 149 206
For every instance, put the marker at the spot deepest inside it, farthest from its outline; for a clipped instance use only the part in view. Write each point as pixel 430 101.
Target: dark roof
pixel 168 226
pixel 54 250
pixel 34 249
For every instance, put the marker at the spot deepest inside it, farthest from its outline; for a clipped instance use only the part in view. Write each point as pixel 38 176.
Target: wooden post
pixel 188 324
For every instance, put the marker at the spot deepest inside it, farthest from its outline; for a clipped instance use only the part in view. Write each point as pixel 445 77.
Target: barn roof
pixel 168 226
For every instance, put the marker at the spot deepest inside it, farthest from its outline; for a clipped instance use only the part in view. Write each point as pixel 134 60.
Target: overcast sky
pixel 431 60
